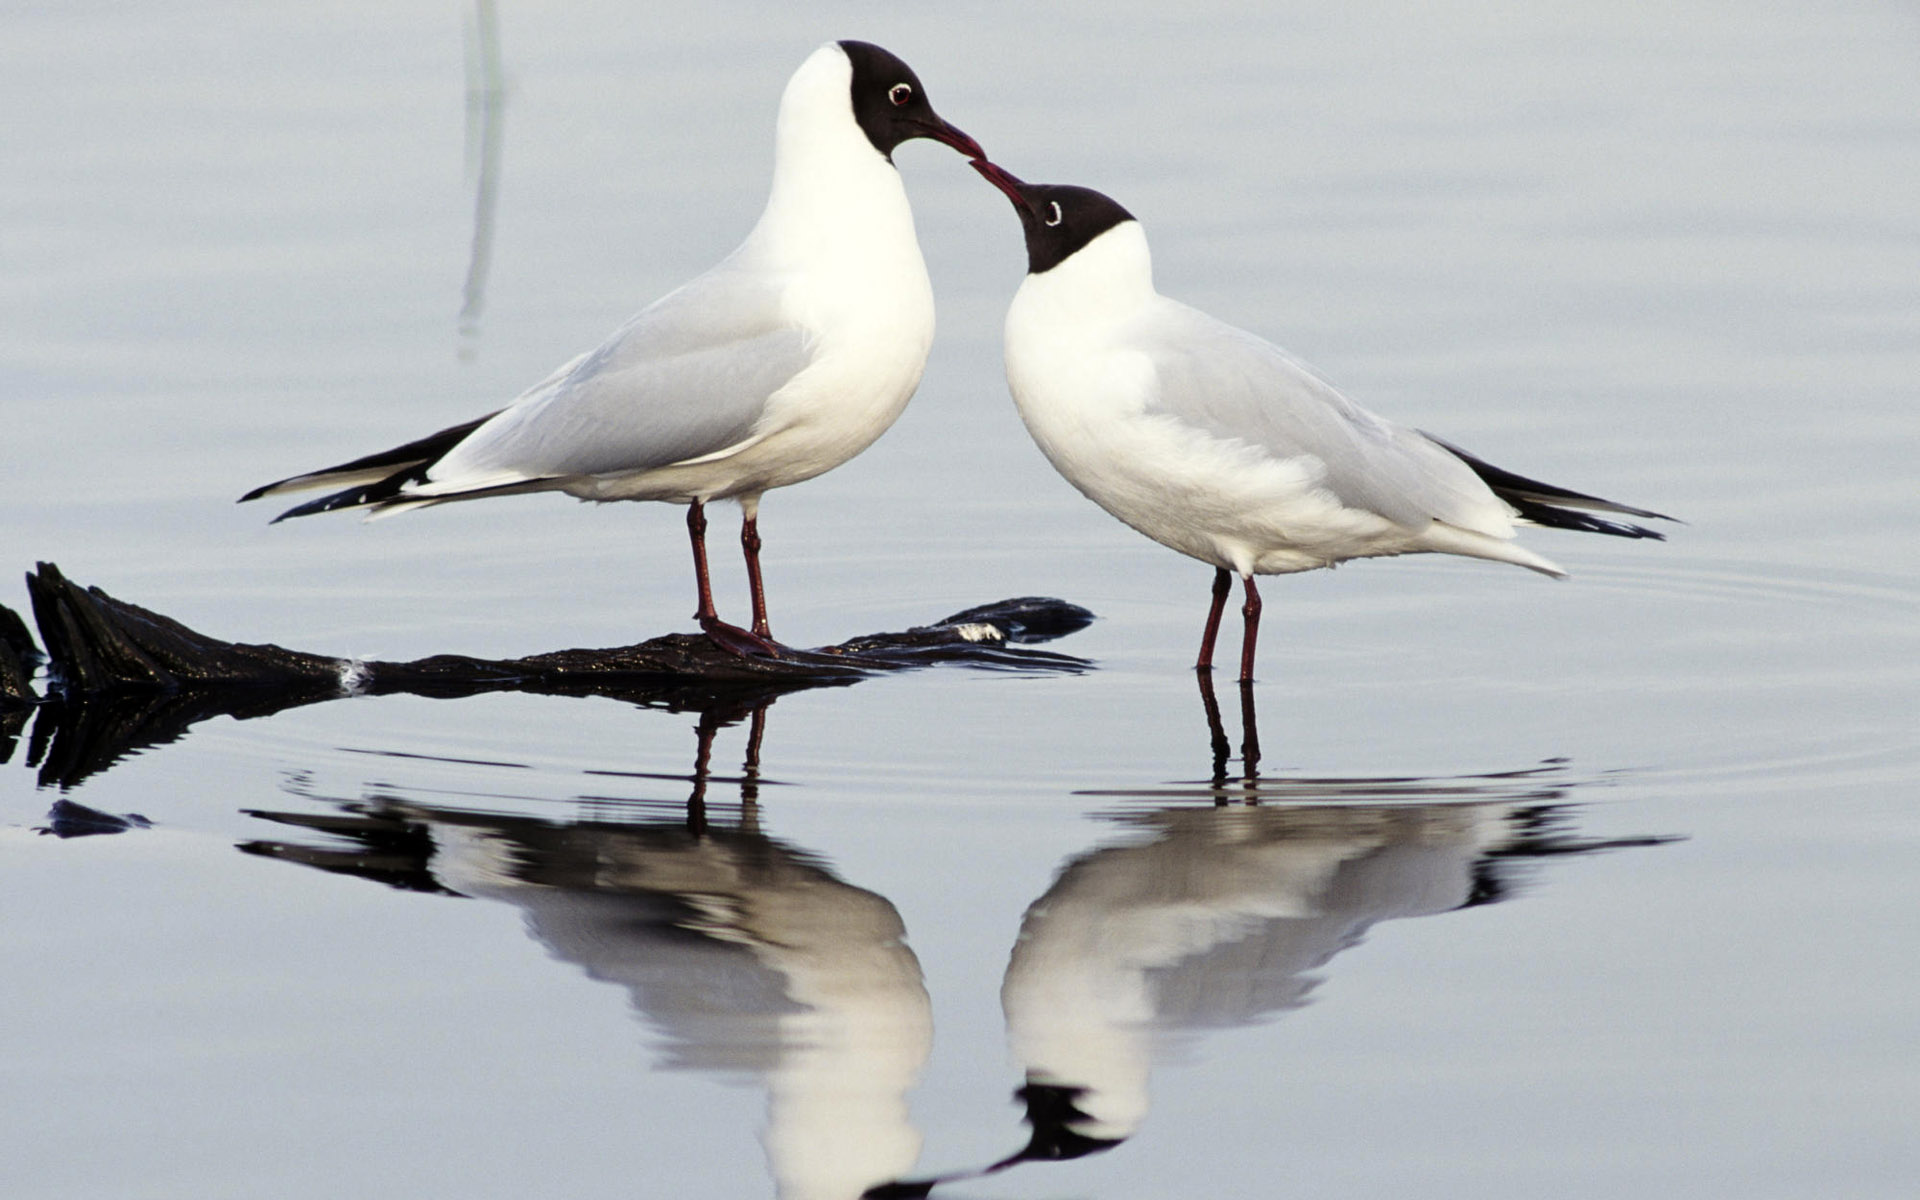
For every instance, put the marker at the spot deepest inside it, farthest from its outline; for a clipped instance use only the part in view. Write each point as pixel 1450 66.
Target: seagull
pixel 1222 446
pixel 787 359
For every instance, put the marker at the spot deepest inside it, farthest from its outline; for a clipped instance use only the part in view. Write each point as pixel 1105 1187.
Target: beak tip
pixel 952 135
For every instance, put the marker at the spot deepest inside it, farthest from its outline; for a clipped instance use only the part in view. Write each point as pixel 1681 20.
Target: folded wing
pixel 1233 385
pixel 689 377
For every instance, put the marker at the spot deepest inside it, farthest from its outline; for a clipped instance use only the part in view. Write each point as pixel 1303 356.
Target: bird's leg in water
pixel 1251 613
pixel 1216 733
pixel 1222 749
pixel 731 638
pixel 1222 584
pixel 1249 742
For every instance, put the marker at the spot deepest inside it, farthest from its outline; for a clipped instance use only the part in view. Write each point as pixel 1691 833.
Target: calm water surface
pixel 1599 888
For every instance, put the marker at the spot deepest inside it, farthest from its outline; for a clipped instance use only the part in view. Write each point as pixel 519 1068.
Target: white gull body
pixel 785 360
pixel 1219 444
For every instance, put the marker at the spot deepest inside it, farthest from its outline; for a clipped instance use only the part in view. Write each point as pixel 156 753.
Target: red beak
pixel 1005 180
pixel 940 131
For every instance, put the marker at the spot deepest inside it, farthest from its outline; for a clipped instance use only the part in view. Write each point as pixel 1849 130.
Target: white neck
pixel 833 194
pixel 1105 283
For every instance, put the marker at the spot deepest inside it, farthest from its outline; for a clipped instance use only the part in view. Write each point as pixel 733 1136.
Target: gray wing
pixel 688 376
pixel 1231 384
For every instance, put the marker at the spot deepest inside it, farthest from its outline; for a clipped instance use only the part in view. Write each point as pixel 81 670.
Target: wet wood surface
pixel 119 677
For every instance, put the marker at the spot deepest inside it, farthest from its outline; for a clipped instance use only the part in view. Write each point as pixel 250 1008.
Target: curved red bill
pixel 1003 179
pixel 941 131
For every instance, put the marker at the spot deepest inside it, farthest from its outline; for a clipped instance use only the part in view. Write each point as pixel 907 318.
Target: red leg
pixel 750 544
pixel 1222 584
pixel 1216 732
pixel 697 534
pixel 1249 739
pixel 1251 613
pixel 730 638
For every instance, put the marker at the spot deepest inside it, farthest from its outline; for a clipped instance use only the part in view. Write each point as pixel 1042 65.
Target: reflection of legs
pixel 731 638
pixel 750 770
pixel 1222 584
pixel 712 721
pixel 1216 732
pixel 1217 735
pixel 1250 612
pixel 749 776
pixel 703 731
pixel 1249 738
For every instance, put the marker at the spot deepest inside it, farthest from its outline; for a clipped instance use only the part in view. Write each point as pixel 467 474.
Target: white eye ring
pixel 899 93
pixel 1057 217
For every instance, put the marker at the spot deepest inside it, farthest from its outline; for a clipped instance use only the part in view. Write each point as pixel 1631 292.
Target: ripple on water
pixel 1807 672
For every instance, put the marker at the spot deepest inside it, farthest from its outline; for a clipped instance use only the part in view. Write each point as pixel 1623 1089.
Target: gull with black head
pixel 1219 444
pixel 787 359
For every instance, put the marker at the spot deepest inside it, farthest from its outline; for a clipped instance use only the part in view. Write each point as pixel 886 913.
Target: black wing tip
pixel 1645 514
pixel 391 493
pixel 375 495
pixel 311 507
pixel 1542 503
pixel 1552 517
pixel 419 453
pixel 302 510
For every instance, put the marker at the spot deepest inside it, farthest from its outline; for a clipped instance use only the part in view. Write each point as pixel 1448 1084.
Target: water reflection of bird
pixel 1221 446
pixel 747 954
pixel 784 361
pixel 750 957
pixel 1217 917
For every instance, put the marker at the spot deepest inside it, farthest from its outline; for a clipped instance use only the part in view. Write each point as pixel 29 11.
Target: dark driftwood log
pixel 18 656
pixel 121 677
pixel 97 643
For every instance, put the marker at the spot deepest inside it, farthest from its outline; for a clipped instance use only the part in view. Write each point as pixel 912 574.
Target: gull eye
pixel 900 93
pixel 1057 216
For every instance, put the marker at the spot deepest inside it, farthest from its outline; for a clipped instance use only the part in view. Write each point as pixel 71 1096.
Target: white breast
pixel 1083 383
pixel 1215 443
pixel 839 234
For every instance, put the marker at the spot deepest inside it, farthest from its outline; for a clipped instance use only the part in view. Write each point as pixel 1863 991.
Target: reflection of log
pixel 82 736
pixel 69 820
pixel 122 677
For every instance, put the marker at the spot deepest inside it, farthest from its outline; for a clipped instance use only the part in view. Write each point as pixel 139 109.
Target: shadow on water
pixel 748 955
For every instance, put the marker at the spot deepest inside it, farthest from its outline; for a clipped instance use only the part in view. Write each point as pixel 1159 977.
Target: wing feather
pixel 1234 385
pixel 688 377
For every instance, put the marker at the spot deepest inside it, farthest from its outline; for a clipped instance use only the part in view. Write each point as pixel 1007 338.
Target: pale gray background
pixel 1670 254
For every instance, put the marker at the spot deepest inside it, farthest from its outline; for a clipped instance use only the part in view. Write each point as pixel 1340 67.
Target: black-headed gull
pixel 785 360
pixel 1220 445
